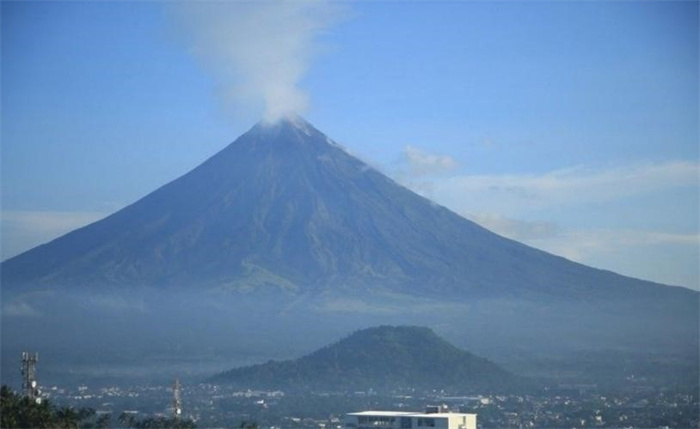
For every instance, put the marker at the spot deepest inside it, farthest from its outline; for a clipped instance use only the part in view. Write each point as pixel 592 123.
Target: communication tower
pixel 177 402
pixel 29 384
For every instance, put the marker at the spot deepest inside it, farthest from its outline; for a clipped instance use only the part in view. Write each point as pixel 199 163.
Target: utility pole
pixel 29 384
pixel 177 402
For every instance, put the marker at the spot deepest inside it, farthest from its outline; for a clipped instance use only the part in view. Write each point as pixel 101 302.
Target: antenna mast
pixel 177 402
pixel 29 384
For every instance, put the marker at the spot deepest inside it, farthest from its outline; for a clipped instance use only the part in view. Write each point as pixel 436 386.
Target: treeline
pixel 129 421
pixel 17 411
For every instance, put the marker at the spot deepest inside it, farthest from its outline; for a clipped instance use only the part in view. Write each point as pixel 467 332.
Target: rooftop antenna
pixel 177 402
pixel 29 384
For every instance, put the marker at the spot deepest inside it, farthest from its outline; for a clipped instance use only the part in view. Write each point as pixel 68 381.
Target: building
pixel 432 418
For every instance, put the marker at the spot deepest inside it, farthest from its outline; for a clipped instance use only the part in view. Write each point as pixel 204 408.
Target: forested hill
pixel 382 358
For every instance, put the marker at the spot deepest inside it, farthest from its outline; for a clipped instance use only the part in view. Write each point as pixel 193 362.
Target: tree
pixel 103 421
pixel 18 411
pixel 163 423
pixel 245 424
pixel 127 419
pixel 67 418
pixel 21 412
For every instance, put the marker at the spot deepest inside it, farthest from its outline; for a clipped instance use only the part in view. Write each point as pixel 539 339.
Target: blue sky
pixel 570 126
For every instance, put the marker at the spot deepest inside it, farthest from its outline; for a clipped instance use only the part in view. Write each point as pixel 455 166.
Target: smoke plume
pixel 257 51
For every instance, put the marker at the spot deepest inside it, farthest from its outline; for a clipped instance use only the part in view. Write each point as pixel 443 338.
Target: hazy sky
pixel 570 126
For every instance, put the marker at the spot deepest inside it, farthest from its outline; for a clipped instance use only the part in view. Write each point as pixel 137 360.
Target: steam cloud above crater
pixel 257 51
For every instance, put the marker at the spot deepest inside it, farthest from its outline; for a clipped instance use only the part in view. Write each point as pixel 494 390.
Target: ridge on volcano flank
pixel 285 208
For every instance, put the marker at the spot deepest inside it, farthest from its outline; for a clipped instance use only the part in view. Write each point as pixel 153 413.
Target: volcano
pixel 287 223
pixel 284 208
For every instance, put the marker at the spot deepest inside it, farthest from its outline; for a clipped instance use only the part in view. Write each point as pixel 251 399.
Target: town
pixel 559 406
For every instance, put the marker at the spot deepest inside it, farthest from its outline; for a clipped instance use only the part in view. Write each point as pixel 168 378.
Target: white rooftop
pixel 404 414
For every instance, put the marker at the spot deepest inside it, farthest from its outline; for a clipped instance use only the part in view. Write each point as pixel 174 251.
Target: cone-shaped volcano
pixel 285 208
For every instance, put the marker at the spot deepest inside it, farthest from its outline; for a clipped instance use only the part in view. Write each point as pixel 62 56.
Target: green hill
pixel 382 358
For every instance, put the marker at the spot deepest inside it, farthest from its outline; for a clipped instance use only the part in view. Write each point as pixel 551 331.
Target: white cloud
pixel 577 244
pixel 669 258
pixel 566 187
pixel 514 228
pixel 22 230
pixel 258 51
pixel 583 244
pixel 501 202
pixel 423 163
pixel 418 170
pixel 117 303
pixel 19 309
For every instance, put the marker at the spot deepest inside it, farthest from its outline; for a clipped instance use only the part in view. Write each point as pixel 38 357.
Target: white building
pixel 433 418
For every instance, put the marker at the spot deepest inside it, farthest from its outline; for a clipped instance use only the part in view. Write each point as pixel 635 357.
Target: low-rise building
pixel 432 418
